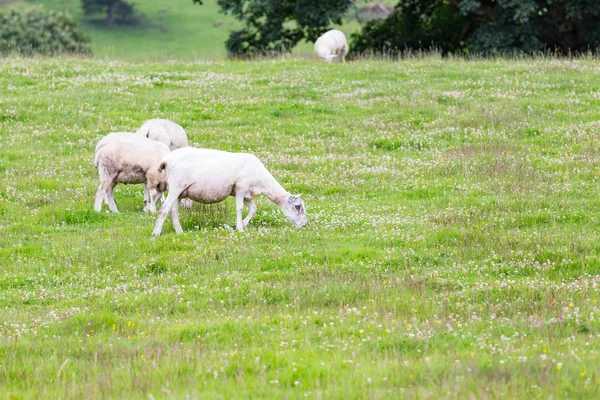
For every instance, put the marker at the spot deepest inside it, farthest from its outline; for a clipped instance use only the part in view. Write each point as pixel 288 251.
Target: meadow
pixel 452 250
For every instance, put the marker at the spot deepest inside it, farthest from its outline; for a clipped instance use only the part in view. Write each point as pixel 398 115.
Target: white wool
pixel 127 158
pixel 332 45
pixel 210 176
pixel 164 131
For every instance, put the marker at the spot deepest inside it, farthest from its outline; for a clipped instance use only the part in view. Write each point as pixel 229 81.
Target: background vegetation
pixel 452 250
pixel 37 31
pixel 246 28
pixel 163 29
pixel 486 26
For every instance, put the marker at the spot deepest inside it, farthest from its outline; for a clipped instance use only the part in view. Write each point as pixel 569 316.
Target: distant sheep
pixel 210 176
pixel 332 45
pixel 129 158
pixel 164 131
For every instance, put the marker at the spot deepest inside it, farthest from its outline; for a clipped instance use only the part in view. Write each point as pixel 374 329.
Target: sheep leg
pixel 239 209
pixel 99 197
pixel 110 197
pixel 102 194
pixel 153 196
pixel 165 209
pixel 146 195
pixel 186 203
pixel 175 218
pixel 251 211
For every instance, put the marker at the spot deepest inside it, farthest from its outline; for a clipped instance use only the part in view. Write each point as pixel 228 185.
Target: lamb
pixel 210 176
pixel 164 131
pixel 331 45
pixel 122 157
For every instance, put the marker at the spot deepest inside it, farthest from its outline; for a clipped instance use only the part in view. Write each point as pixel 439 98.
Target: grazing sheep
pixel 210 176
pixel 129 158
pixel 331 45
pixel 164 131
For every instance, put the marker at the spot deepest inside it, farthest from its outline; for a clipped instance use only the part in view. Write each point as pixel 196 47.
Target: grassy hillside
pixel 452 250
pixel 169 29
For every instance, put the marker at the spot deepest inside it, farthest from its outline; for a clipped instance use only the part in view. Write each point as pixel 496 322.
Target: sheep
pixel 169 133
pixel 122 157
pixel 164 131
pixel 331 45
pixel 210 176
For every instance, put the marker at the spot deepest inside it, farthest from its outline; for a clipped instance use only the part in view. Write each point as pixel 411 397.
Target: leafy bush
pixel 485 26
pixel 37 31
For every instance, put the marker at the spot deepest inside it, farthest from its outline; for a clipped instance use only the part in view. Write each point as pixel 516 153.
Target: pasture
pixel 452 250
pixel 165 29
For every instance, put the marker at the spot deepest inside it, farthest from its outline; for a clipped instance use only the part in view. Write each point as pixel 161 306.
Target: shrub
pixel 37 31
pixel 485 26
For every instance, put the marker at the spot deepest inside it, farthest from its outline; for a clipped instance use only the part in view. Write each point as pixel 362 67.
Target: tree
pixel 414 24
pixel 469 26
pixel 278 25
pixel 484 26
pixel 116 10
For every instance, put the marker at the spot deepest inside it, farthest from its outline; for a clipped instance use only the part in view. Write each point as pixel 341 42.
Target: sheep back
pixel 164 131
pixel 128 157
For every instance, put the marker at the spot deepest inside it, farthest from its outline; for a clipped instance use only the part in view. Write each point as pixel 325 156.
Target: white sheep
pixel 164 131
pixel 210 176
pixel 331 45
pixel 127 158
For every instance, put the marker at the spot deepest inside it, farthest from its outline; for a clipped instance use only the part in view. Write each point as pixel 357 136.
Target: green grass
pixel 168 30
pixel 452 250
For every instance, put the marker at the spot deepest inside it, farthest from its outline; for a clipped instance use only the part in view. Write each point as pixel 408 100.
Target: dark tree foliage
pixel 278 25
pixel 115 10
pixel 485 26
pixel 414 24
pixel 37 31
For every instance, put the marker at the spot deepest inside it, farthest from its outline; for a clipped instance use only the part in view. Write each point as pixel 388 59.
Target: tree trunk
pixel 110 13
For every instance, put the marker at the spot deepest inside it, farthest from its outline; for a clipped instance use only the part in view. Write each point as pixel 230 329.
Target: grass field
pixel 452 250
pixel 169 29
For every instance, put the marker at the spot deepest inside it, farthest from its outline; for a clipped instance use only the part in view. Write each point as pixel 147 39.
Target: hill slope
pixel 170 29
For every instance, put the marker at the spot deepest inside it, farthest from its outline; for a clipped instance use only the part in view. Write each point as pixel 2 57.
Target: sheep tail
pixel 162 166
